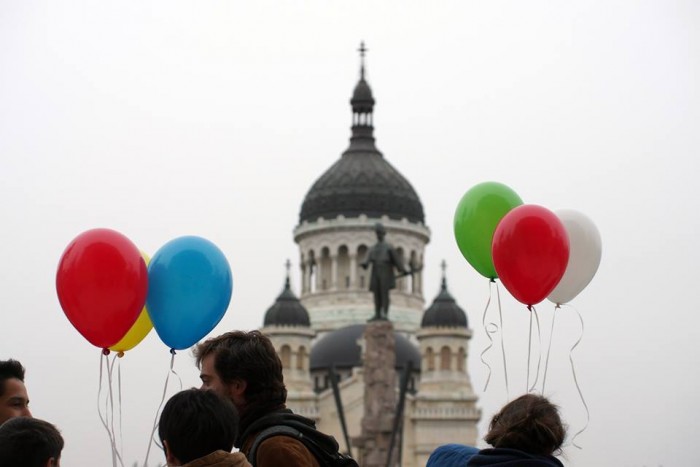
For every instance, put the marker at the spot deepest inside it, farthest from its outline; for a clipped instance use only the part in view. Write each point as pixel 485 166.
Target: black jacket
pixel 501 457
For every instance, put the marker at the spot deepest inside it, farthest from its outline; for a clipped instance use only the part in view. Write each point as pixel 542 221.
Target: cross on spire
pixel 288 266
pixel 443 266
pixel 362 51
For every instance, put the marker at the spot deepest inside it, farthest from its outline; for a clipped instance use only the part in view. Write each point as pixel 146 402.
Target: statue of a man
pixel 383 259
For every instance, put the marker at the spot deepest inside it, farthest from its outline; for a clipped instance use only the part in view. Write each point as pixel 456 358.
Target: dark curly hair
pixel 196 423
pixel 10 369
pixel 251 357
pixel 29 442
pixel 529 423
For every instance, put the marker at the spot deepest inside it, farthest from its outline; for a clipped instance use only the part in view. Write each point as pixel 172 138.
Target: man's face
pixel 14 402
pixel 210 378
pixel 211 381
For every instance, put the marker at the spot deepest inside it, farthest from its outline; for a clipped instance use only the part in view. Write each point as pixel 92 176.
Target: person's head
pixel 529 423
pixel 14 401
pixel 244 367
pixel 195 423
pixel 30 442
pixel 380 230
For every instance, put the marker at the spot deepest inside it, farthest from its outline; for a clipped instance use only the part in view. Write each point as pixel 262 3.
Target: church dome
pixel 362 181
pixel 341 348
pixel 444 311
pixel 287 310
pixel 362 99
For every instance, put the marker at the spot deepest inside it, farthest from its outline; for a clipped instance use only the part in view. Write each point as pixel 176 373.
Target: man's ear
pixel 53 462
pixel 236 392
pixel 169 458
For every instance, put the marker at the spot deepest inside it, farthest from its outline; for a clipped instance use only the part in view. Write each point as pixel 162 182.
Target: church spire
pixel 443 266
pixel 362 104
pixel 288 266
pixel 362 51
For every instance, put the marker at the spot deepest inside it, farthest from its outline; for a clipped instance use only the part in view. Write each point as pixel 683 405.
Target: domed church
pixel 319 334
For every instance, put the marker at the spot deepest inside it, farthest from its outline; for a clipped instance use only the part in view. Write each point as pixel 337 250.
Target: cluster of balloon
pixel 114 295
pixel 535 252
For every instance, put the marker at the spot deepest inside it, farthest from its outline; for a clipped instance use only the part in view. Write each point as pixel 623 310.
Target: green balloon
pixel 477 215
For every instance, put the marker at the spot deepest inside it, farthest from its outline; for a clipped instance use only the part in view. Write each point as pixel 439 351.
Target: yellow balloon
pixel 139 330
pixel 136 334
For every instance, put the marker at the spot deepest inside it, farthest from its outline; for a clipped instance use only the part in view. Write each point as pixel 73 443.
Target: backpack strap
pixel 277 430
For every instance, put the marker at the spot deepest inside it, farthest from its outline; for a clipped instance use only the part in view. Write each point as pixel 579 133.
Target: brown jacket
pixel 280 451
pixel 220 459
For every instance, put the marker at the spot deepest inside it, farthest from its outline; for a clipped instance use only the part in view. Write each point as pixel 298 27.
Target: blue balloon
pixel 189 290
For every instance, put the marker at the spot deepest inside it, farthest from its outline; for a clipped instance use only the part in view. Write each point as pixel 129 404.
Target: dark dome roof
pixel 362 181
pixel 287 310
pixel 362 100
pixel 444 311
pixel 340 347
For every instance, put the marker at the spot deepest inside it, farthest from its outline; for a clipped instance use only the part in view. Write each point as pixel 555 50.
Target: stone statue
pixel 383 259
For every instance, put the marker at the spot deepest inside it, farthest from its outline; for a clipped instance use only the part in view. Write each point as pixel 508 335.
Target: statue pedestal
pixel 380 395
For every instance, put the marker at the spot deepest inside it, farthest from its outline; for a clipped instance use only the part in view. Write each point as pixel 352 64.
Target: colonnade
pixel 341 269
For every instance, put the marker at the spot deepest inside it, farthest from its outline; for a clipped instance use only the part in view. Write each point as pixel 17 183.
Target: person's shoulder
pixel 221 459
pixel 284 450
pixel 451 455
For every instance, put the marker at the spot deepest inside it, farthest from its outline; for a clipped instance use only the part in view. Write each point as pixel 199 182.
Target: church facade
pixel 318 335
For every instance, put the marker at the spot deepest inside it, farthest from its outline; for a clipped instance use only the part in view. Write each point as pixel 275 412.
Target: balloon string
pixel 113 437
pixel 103 357
pixel 488 331
pixel 162 400
pixel 503 348
pixel 119 387
pixel 578 388
pixel 539 348
pixel 549 347
pixel 529 346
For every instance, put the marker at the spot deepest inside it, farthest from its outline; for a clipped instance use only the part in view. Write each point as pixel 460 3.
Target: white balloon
pixel 585 251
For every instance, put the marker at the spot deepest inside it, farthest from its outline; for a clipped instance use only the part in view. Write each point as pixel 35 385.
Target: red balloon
pixel 530 252
pixel 102 283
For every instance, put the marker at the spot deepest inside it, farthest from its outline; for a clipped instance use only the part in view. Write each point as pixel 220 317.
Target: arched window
pixel 313 271
pixel 445 356
pixel 402 283
pixel 430 358
pixel 325 269
pixel 361 273
pixel 285 356
pixel 461 359
pixel 343 268
pixel 413 266
pixel 301 358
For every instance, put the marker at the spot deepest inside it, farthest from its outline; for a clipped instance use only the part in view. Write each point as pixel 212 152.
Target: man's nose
pixel 26 412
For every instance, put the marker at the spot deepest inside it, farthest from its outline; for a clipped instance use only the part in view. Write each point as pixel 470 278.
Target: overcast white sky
pixel 162 119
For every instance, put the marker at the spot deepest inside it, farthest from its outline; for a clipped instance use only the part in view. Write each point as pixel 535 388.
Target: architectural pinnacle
pixel 443 266
pixel 362 51
pixel 288 266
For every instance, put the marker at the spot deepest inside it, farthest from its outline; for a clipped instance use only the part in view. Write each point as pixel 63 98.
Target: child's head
pixel 529 423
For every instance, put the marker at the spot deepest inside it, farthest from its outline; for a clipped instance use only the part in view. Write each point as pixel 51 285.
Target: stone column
pixel 380 395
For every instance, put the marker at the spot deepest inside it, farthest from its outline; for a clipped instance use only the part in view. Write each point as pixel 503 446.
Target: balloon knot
pixel 120 354
pixel 529 308
pixel 492 280
pixel 172 351
pixel 105 351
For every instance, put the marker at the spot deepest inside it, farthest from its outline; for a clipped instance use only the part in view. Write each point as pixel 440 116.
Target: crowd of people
pixel 241 404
